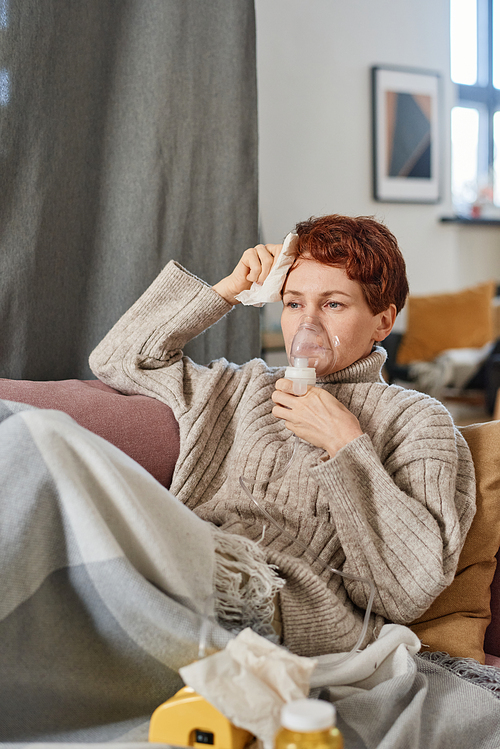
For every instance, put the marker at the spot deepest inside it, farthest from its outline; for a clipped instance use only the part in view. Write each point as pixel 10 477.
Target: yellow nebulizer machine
pixel 187 719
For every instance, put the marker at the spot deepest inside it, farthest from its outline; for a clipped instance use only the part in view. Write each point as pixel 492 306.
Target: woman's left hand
pixel 317 417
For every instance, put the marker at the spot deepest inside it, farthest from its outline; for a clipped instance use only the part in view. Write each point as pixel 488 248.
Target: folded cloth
pixel 270 290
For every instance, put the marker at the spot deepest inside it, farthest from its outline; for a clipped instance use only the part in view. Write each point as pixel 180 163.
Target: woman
pixel 382 484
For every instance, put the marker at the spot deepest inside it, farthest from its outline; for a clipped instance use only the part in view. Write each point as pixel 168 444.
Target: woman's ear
pixel 386 323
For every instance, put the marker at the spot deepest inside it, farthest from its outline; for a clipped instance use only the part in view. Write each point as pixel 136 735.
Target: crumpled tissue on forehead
pixel 270 290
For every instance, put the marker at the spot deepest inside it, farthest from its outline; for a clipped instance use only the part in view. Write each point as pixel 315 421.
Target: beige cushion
pixel 457 620
pixel 439 322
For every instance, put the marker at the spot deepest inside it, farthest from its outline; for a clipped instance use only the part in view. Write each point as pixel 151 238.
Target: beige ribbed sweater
pixel 394 505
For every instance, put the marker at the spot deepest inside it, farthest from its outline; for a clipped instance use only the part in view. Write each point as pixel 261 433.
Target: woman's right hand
pixel 254 266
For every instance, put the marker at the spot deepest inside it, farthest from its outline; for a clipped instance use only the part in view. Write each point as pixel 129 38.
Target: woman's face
pixel 326 292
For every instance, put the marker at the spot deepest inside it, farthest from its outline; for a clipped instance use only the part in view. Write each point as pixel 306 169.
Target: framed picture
pixel 406 147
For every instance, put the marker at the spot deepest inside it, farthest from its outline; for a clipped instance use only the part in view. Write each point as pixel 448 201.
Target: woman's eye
pixel 293 305
pixel 334 305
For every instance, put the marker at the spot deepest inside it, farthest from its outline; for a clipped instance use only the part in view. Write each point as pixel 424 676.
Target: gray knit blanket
pixel 102 597
pixel 94 624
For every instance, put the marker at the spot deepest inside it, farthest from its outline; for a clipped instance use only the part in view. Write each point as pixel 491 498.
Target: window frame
pixel 483 95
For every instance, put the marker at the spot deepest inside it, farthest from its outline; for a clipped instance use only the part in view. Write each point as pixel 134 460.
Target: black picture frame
pixel 406 134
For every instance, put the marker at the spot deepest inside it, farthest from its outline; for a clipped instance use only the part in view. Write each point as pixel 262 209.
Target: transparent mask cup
pixel 312 353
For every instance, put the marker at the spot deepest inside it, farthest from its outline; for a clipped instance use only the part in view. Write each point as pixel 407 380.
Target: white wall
pixel 313 65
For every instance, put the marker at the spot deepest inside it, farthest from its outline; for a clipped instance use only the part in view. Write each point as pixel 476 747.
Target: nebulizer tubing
pixel 312 349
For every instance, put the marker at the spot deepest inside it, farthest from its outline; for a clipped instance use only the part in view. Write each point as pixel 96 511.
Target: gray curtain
pixel 128 136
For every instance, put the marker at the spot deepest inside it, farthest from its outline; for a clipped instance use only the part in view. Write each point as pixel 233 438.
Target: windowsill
pixel 470 221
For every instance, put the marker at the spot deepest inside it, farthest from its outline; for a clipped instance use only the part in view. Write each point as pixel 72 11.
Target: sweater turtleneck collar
pixel 368 369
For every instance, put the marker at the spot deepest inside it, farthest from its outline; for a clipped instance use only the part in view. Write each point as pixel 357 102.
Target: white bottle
pixel 308 724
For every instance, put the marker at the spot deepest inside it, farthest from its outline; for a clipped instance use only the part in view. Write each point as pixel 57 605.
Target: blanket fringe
pixel 486 677
pixel 245 585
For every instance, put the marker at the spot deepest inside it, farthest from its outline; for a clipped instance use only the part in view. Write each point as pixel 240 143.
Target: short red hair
pixel 367 250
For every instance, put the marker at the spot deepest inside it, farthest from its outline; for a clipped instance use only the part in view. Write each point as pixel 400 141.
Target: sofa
pixel 464 620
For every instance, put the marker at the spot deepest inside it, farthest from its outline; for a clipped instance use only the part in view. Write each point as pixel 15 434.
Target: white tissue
pixel 250 681
pixel 270 290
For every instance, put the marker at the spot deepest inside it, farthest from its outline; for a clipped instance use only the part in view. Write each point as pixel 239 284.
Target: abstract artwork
pixel 405 135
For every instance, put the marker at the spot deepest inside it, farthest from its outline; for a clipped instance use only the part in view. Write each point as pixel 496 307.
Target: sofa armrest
pixel 142 427
pixel 492 636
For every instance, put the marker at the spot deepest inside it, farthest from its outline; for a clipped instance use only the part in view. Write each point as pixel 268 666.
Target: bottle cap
pixel 308 715
pixel 301 373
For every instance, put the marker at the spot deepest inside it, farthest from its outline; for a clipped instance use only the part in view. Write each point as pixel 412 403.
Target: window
pixel 475 121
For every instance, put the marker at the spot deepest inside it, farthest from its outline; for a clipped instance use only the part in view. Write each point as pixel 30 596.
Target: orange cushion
pixel 435 323
pixel 457 620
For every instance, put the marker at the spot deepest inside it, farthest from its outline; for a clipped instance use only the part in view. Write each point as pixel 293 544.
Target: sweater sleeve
pixel 402 519
pixel 152 333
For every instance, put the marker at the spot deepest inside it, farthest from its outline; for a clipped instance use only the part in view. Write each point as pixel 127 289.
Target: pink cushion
pixel 492 636
pixel 141 426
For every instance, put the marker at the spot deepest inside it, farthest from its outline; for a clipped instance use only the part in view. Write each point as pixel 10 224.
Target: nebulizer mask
pixel 312 354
